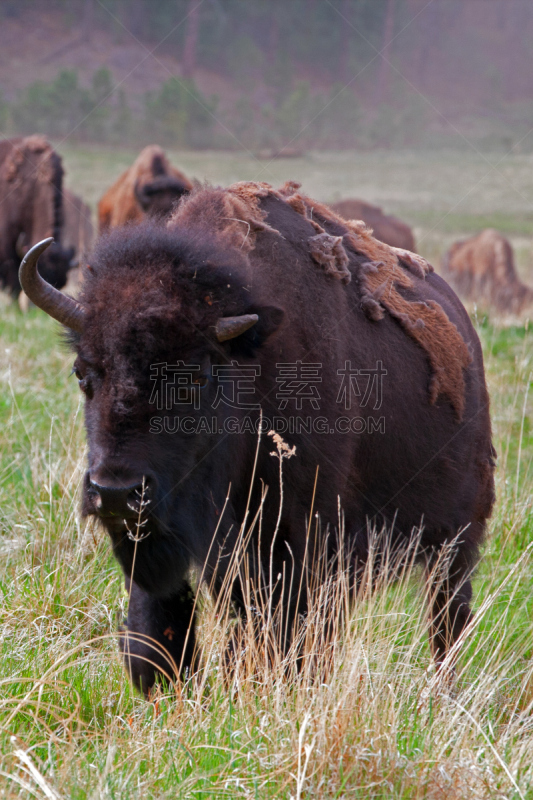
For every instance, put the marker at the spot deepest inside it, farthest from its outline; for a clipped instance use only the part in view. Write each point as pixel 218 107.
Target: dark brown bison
pixel 357 352
pixel 31 178
pixel 384 227
pixel 150 187
pixel 482 269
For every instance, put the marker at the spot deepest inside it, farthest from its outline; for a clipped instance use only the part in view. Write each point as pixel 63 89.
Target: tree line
pixel 316 73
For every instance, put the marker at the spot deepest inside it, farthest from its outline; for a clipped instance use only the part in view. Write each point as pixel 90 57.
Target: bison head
pixel 158 197
pixel 157 306
pixel 55 265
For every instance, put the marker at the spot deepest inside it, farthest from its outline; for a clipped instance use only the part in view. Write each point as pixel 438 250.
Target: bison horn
pixel 57 305
pixel 231 327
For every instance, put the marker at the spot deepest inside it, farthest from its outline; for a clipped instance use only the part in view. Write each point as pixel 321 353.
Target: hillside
pixel 343 74
pixel 39 52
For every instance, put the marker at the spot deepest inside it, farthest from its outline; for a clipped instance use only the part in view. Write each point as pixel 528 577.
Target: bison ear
pixel 270 318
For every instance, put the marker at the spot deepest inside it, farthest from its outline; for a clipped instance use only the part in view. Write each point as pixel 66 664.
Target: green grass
pixel 383 725
pixel 466 224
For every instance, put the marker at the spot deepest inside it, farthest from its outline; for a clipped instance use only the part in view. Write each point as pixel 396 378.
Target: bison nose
pixel 119 501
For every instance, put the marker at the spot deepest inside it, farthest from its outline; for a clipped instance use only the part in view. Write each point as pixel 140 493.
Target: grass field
pixel 382 725
pixel 443 195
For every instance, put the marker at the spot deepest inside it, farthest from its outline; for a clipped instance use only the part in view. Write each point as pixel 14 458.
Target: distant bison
pixel 150 187
pixel 482 269
pixel 78 231
pixel 255 301
pixel 385 227
pixel 31 186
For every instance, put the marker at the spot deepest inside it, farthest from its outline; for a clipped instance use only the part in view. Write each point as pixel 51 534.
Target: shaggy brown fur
pixel 482 269
pixel 156 295
pixel 428 324
pixel 48 174
pixel 382 280
pixel 233 215
pixel 384 277
pixel 120 204
pixel 385 227
pixel 31 184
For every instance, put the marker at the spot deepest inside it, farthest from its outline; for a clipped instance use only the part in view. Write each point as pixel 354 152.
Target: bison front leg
pixel 450 593
pixel 158 639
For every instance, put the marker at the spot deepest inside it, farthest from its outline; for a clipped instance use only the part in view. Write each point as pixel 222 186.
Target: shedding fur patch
pixel 329 251
pixel 429 325
pixel 387 270
pixel 233 214
pixel 236 216
pixel 326 249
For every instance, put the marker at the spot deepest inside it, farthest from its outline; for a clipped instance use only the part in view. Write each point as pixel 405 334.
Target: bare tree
pixel 188 62
pixel 344 49
pixel 424 44
pixel 86 31
pixel 273 38
pixel 87 20
pixel 384 70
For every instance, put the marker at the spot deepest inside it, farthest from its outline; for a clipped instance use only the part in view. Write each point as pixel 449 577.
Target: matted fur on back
pixel 344 250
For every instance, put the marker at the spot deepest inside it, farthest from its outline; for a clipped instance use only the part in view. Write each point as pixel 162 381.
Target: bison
pixel 150 187
pixel 385 227
pixel 78 231
pixel 358 351
pixel 31 178
pixel 482 269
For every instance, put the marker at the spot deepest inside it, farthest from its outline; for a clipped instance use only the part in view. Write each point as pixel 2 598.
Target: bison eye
pixel 201 381
pixel 83 381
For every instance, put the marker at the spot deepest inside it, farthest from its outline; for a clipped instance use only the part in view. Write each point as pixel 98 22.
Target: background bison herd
pixel 481 268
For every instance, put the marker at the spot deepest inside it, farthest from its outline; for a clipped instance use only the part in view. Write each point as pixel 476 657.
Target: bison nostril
pixel 119 501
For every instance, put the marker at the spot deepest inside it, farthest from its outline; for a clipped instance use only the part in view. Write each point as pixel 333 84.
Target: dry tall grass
pixel 367 717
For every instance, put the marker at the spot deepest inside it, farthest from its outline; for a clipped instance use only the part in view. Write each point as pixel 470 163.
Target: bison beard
pixel 264 277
